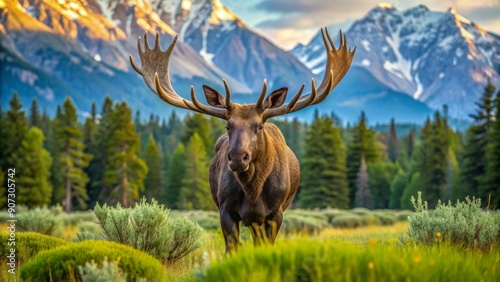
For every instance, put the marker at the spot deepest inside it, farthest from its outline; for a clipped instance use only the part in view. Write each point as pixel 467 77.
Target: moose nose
pixel 238 160
pixel 238 155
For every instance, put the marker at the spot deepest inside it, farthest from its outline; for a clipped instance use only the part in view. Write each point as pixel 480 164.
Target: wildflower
pixel 417 259
pixel 438 234
pixel 372 242
pixel 371 265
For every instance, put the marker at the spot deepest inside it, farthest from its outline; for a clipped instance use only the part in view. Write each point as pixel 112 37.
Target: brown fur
pixel 259 195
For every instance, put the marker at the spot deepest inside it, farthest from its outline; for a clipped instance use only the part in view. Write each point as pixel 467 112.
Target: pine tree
pixel 490 184
pixel 53 145
pixel 195 189
pixel 89 136
pixel 433 160
pixel 90 129
pixel 33 170
pixel 124 172
pixel 364 143
pixel 474 152
pixel 70 158
pixel 363 194
pixel 35 117
pixel 173 131
pixel 176 171
pixel 198 123
pixel 154 181
pixel 295 140
pixel 380 176
pixel 15 127
pixel 398 185
pixel 103 131
pixel 411 190
pixel 45 126
pixel 323 176
pixel 410 143
pixel 393 144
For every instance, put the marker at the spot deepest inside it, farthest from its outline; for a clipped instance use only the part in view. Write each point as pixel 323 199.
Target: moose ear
pixel 214 98
pixel 276 98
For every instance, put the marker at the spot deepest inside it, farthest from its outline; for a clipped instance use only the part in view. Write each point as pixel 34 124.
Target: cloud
pixel 483 13
pixel 315 6
pixel 287 22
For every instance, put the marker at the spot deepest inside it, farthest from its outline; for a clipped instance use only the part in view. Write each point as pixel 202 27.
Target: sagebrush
pixel 146 227
pixel 464 224
pixel 107 271
pixel 40 220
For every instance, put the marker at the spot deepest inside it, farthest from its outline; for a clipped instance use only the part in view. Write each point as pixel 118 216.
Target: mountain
pixel 226 42
pixel 51 49
pixel 435 57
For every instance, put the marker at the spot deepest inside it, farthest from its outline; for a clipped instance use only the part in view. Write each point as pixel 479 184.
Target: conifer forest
pixel 114 155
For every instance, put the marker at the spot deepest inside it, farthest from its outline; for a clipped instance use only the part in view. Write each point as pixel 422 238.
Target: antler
pixel 155 72
pixel 337 64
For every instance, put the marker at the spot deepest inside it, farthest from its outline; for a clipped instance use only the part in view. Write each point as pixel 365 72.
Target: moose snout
pixel 238 160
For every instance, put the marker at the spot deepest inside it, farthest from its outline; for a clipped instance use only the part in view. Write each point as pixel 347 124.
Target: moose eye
pixel 261 127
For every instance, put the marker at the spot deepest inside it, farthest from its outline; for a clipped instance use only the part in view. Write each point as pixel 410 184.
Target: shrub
pixel 361 211
pixel 403 215
pixel 315 215
pixel 148 228
pixel 78 217
pixel 108 271
pixel 465 224
pixel 61 264
pixel 89 226
pixel 332 213
pixel 41 220
pixel 28 244
pixel 347 221
pixel 369 219
pixel 208 220
pixel 385 218
pixel 304 221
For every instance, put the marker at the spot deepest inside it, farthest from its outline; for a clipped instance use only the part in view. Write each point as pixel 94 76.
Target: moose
pixel 254 175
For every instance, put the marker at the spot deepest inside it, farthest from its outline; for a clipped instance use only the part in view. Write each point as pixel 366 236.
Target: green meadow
pixel 312 246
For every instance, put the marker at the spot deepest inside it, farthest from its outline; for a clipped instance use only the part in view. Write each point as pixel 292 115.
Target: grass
pixel 213 249
pixel 370 253
pixel 310 259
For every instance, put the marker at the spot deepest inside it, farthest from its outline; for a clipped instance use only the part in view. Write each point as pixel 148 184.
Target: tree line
pixel 115 156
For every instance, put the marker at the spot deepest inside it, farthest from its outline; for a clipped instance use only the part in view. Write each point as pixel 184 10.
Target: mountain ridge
pixel 436 57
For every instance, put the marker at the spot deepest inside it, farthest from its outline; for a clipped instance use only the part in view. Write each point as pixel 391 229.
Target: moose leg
pixel 273 225
pixel 230 229
pixel 258 234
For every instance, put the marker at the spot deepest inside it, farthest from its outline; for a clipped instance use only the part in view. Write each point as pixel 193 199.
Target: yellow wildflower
pixel 417 259
pixel 372 242
pixel 438 234
pixel 371 265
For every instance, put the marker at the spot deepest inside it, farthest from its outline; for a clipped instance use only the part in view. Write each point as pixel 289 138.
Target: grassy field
pixel 370 253
pixel 374 253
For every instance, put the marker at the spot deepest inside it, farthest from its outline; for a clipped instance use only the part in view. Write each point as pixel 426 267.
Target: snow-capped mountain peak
pixel 435 57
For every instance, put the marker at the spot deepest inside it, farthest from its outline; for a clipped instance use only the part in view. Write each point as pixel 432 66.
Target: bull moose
pixel 254 175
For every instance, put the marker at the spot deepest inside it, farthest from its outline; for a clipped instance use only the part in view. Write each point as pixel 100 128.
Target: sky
pixel 288 22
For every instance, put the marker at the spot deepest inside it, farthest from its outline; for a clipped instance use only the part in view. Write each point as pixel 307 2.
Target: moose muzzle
pixel 239 160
